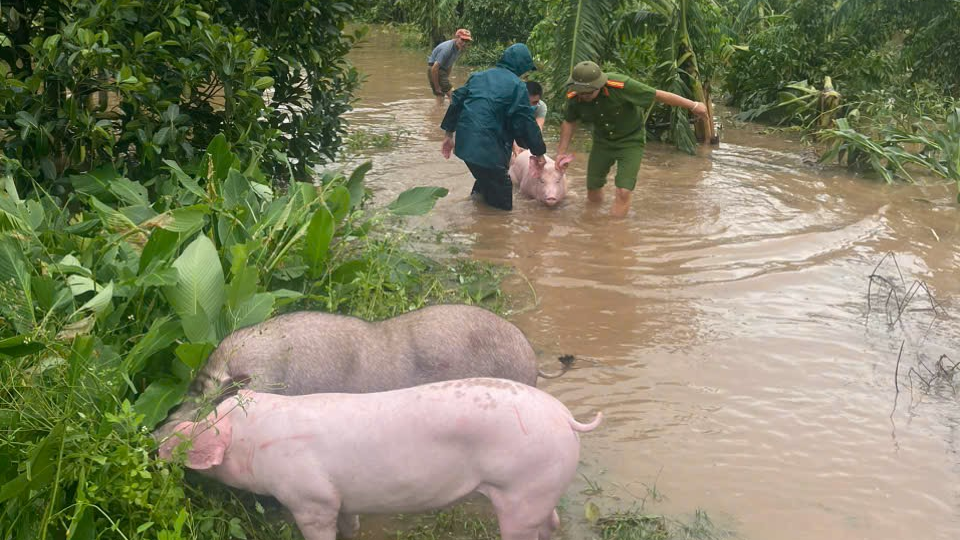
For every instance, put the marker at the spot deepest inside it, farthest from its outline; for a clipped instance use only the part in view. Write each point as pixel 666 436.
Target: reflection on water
pixel 722 326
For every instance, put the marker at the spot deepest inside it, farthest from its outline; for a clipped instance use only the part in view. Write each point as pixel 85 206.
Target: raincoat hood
pixel 517 58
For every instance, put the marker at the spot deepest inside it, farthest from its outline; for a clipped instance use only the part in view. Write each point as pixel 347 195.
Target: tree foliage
pixel 135 83
pixel 492 22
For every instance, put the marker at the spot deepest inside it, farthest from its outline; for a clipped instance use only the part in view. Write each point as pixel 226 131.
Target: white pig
pixel 401 451
pixel 548 186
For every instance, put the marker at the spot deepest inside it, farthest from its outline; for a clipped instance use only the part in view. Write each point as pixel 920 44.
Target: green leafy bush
pixel 135 83
pixel 112 302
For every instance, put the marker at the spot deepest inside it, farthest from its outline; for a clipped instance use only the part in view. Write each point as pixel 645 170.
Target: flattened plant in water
pixel 927 146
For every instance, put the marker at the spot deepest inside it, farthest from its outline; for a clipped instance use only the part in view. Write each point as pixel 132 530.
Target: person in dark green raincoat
pixel 488 114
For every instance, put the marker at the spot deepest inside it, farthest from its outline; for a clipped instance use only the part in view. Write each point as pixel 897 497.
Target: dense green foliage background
pixel 133 83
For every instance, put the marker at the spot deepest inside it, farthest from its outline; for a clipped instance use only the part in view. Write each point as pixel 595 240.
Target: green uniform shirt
pixel 618 113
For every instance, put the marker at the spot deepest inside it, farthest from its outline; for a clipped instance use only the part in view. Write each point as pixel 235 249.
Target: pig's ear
pixel 564 161
pixel 210 444
pixel 535 167
pixel 177 437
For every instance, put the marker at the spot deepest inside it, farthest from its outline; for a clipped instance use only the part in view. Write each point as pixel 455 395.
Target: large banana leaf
pixel 583 34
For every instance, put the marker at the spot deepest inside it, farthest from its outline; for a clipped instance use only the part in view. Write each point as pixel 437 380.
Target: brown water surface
pixel 722 326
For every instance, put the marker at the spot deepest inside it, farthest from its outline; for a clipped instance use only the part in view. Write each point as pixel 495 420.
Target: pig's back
pixel 293 354
pixel 456 341
pixel 445 438
pixel 308 352
pixel 519 166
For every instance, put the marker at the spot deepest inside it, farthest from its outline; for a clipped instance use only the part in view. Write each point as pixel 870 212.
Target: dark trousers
pixel 493 184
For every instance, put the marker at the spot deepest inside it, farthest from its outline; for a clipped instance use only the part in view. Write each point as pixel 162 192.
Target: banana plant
pixel 593 29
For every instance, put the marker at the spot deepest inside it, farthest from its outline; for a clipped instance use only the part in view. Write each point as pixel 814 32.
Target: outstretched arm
pixel 698 108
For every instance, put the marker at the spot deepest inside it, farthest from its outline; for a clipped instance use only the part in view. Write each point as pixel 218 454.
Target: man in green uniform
pixel 617 106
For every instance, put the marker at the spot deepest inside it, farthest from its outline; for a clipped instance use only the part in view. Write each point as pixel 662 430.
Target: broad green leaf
pixel 17 306
pixel 200 286
pixel 15 214
pixel 35 215
pixel 236 529
pixel 263 83
pixel 259 56
pixel 129 191
pixel 255 309
pixel 19 346
pixel 185 179
pixel 163 277
pixel 113 219
pixel 80 284
pixel 69 264
pixel 239 253
pixel 417 201
pixel 95 182
pixel 157 400
pixel 319 236
pixel 162 333
pixel 242 286
pixel 235 189
pixel 285 296
pixel 355 183
pixel 338 201
pixel 198 328
pixel 82 525
pixel 193 354
pixel 49 294
pixel 185 220
pixel 161 245
pixel 139 213
pixel 222 158
pixel 100 301
pixel 11 188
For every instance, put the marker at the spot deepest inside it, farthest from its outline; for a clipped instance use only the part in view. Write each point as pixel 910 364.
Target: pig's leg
pixel 348 525
pixel 520 518
pixel 318 524
pixel 547 528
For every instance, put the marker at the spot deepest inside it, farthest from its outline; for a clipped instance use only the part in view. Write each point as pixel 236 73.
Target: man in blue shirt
pixel 441 61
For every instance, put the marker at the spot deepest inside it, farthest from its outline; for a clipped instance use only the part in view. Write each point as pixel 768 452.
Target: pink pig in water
pixel 330 457
pixel 549 186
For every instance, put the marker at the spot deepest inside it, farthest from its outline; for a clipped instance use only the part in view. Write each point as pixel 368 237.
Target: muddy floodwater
pixel 723 327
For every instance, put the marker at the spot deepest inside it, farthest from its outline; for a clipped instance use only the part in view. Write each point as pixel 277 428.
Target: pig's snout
pixel 551 201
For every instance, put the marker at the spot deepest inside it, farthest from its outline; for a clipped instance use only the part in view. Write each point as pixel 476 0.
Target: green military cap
pixel 586 77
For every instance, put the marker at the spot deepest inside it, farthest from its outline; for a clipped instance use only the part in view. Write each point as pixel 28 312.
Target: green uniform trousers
pixel 603 156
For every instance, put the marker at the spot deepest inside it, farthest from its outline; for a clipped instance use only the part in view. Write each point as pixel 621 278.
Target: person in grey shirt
pixel 535 92
pixel 441 61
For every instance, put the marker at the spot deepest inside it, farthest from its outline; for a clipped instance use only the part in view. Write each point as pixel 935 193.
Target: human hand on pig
pixel 563 160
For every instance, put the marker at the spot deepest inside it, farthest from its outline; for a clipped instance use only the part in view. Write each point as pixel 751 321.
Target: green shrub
pixel 135 83
pixel 111 302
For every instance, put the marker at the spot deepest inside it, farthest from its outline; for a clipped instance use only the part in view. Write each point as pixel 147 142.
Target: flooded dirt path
pixel 723 326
